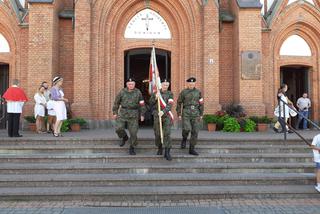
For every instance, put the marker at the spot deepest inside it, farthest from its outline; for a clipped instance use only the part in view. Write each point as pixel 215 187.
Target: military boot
pixel 192 151
pixel 167 154
pixel 123 141
pixel 183 143
pixel 131 151
pixel 160 150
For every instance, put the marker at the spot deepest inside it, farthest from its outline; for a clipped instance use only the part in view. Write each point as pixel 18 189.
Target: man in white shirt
pixel 15 98
pixel 303 104
pixel 316 156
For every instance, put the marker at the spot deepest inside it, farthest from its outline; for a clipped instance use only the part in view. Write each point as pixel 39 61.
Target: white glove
pixel 160 113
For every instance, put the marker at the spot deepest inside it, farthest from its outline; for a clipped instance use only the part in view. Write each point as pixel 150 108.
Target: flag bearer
pixel 166 102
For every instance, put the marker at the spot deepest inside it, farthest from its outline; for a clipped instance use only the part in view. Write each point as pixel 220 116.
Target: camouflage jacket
pixel 131 104
pixel 190 102
pixel 168 99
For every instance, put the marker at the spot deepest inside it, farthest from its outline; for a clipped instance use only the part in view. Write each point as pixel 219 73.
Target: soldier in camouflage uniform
pixel 131 104
pixel 166 117
pixel 190 102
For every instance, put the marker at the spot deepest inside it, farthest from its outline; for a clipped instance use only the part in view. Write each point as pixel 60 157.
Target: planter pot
pixel 75 127
pixel 262 127
pixel 32 127
pixel 211 127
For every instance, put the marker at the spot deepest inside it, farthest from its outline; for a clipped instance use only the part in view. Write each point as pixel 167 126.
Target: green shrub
pixel 231 125
pixel 263 119
pixel 210 118
pixel 249 126
pixel 221 120
pixel 255 119
pixel 30 119
pixel 65 126
pixel 79 121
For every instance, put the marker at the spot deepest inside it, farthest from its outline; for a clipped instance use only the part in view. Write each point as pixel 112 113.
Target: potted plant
pixel 76 123
pixel 31 123
pixel 231 125
pixel 221 117
pixel 262 122
pixel 249 126
pixel 211 121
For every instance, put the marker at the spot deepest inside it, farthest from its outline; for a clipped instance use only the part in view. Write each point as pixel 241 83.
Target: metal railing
pixel 284 124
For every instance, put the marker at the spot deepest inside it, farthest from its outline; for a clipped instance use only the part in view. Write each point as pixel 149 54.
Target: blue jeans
pixel 305 122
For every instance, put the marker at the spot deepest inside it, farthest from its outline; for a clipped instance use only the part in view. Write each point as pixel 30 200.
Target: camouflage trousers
pixel 191 124
pixel 166 128
pixel 133 127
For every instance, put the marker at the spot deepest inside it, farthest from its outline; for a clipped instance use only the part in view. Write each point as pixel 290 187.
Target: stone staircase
pixel 75 169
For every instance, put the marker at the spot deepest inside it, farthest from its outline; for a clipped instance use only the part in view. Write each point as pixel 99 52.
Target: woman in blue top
pixel 57 96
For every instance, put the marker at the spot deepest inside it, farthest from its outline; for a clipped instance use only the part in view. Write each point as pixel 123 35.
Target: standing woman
pixel 39 109
pixel 285 116
pixel 59 104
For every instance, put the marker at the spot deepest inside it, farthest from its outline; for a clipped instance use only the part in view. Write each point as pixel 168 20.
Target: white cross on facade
pixel 147 19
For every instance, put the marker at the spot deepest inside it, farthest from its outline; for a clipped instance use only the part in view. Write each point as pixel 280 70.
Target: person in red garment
pixel 15 98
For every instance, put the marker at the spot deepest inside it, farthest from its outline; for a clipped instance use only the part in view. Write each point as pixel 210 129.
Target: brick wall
pixel 66 43
pixel 226 73
pixel 91 56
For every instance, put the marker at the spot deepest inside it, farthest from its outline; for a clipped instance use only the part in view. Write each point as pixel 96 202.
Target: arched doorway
pixel 4 76
pixel 297 77
pixel 137 63
pixel 4 84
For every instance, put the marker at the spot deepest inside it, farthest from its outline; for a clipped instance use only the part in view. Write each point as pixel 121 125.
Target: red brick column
pixel 42 51
pixel 82 38
pixel 248 93
pixel 211 57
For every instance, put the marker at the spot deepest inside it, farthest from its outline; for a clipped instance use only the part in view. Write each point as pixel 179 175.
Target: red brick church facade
pixel 229 46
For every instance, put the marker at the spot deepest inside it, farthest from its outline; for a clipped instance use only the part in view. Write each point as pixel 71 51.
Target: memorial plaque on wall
pixel 251 65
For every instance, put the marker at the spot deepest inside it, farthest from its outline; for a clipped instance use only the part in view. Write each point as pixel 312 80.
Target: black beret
pixel 165 80
pixel 131 79
pixel 191 79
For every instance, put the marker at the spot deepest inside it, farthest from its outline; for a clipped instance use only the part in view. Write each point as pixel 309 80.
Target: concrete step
pixel 150 149
pixel 141 141
pixel 124 158
pixel 156 193
pixel 163 179
pixel 145 168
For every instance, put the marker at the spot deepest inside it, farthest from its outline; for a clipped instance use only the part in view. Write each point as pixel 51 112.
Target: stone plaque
pixel 251 65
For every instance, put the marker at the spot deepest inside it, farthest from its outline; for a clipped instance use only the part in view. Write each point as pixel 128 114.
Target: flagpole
pixel 158 93
pixel 160 119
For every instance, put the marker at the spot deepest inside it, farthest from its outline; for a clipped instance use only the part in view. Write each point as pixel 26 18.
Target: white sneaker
pixel 317 188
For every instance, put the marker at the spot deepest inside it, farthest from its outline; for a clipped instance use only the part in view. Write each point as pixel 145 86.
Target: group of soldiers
pixel 129 106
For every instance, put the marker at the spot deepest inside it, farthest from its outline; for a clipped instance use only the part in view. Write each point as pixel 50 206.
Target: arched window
pixel 23 3
pixel 269 4
pixel 147 24
pixel 295 46
pixel 4 45
pixel 309 1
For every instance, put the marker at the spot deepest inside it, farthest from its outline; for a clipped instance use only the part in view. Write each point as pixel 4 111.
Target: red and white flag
pixel 155 82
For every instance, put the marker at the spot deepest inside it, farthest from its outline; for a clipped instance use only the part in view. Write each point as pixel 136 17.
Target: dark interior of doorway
pixel 297 79
pixel 4 84
pixel 137 63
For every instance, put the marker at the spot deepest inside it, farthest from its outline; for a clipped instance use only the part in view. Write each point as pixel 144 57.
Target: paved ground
pixel 176 134
pixel 254 206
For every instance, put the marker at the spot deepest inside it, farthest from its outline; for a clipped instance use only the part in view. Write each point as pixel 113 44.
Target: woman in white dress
pixel 39 109
pixel 59 104
pixel 284 115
